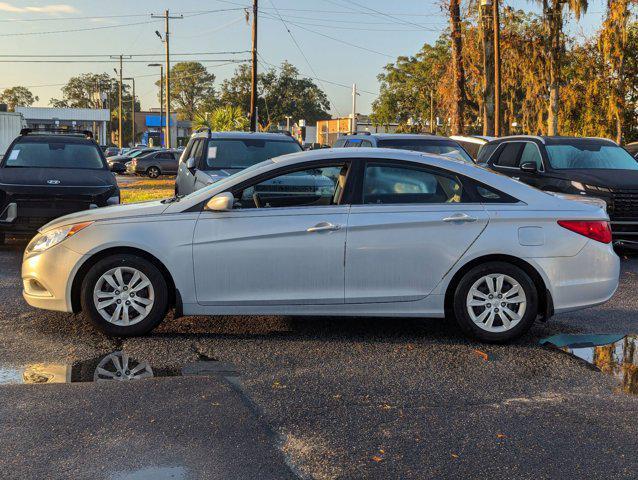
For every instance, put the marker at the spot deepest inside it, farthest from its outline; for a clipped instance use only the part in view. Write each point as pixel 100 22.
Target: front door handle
pixel 460 217
pixel 324 227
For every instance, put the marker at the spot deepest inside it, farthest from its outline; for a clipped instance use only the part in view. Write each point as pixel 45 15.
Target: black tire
pixel 153 172
pixel 465 322
pixel 157 311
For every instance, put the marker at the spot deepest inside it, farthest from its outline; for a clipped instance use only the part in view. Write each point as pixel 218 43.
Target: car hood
pixel 118 158
pixel 119 212
pixel 612 178
pixel 60 177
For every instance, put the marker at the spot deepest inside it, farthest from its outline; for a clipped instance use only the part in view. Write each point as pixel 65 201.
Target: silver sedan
pixel 365 232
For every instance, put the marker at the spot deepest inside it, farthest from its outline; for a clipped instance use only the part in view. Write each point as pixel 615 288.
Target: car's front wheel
pixel 153 172
pixel 124 295
pixel 495 302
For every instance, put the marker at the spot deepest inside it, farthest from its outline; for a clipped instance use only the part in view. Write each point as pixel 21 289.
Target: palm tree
pixel 553 21
pixel 458 106
pixel 222 119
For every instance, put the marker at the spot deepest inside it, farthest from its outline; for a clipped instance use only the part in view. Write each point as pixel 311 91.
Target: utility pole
pixel 132 111
pixel 253 88
pixel 353 122
pixel 497 69
pixel 432 127
pixel 119 107
pixel 166 18
pixel 487 33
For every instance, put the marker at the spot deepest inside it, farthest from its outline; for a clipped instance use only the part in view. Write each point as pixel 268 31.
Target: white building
pixel 93 119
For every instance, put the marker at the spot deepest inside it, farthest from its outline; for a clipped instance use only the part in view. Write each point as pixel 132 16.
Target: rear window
pixel 52 154
pixel 243 153
pixel 447 148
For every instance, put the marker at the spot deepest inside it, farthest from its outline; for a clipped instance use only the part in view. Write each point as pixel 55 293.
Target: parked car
pixel 405 141
pixel 588 167
pixel 111 152
pixel 44 176
pixel 471 143
pixel 153 164
pixel 212 156
pixel 426 237
pixel 117 164
pixel 632 148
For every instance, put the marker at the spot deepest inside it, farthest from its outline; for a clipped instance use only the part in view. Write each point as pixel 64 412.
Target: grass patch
pixel 146 189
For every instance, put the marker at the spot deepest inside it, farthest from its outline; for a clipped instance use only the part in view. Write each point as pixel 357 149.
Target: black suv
pixel 46 175
pixel 594 167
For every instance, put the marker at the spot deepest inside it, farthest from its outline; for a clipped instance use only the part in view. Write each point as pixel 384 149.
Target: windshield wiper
pixel 175 198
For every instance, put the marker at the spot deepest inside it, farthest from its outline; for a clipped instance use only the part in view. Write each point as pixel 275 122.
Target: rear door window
pixel 383 184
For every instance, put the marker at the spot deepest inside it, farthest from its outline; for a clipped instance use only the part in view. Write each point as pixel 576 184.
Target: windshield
pixel 590 155
pixel 446 148
pixel 137 153
pixel 243 153
pixel 52 154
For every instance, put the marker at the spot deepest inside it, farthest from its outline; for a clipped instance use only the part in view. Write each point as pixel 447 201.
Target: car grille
pixel 625 204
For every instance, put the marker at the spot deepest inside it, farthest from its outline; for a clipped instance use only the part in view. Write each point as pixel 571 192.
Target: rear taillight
pixel 595 229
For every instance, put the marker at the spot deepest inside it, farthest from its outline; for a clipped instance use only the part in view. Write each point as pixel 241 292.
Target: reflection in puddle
pixel 114 366
pixel 616 355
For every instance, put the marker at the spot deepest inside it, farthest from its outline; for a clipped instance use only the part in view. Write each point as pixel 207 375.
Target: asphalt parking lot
pixel 317 398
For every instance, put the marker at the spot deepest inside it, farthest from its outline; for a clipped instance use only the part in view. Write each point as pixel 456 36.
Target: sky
pixel 340 42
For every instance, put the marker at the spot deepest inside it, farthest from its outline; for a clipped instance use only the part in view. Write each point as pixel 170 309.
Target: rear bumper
pixel 584 280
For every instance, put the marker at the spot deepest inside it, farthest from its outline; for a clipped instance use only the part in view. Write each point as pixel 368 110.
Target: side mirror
pixel 529 167
pixel 222 202
pixel 190 163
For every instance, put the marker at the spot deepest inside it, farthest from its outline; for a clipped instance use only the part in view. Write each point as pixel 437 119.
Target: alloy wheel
pixel 123 296
pixel 496 302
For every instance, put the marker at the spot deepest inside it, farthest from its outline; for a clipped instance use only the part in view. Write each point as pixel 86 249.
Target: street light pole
pixel 132 111
pixel 119 89
pixel 166 41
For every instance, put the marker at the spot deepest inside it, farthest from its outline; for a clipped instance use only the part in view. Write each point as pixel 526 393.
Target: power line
pixel 303 54
pixel 103 27
pixel 229 60
pixel 105 55
pixel 360 47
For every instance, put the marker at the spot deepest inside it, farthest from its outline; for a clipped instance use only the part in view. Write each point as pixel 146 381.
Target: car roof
pixel 46 138
pixel 240 135
pixel 552 140
pixel 396 136
pixel 478 139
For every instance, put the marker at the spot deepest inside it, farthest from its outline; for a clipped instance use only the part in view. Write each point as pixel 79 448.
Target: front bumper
pixel 584 280
pixel 48 276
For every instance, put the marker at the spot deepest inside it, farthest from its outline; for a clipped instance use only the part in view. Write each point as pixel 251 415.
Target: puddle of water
pixel 115 366
pixel 616 355
pixel 152 473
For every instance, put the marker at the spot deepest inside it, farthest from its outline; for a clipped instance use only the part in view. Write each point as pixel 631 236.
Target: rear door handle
pixel 324 227
pixel 460 217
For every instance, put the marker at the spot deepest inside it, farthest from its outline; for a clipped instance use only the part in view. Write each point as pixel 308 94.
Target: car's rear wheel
pixel 124 295
pixel 495 302
pixel 153 172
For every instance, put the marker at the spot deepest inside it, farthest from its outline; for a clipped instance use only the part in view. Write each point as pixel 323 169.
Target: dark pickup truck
pixel 46 175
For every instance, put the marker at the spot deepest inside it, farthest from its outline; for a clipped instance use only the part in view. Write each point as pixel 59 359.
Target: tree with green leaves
pixel 191 89
pixel 281 92
pixel 17 97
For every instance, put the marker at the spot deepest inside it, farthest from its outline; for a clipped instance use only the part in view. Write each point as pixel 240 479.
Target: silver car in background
pixel 384 232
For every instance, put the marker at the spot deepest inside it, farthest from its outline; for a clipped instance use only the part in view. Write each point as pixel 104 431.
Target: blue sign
pixel 156 121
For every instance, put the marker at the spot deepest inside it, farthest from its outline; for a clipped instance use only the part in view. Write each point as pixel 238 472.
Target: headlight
pixel 50 238
pixel 578 186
